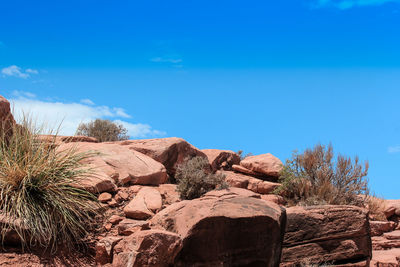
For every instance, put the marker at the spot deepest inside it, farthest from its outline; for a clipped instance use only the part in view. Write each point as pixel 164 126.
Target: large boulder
pixel 318 234
pixel 169 151
pixel 221 159
pixel 155 248
pixel 266 164
pixel 6 118
pixel 225 229
pixel 117 164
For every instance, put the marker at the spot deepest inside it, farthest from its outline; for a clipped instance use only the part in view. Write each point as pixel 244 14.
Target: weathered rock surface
pixel 225 229
pixel 6 118
pixel 147 248
pixel 137 209
pixel 169 193
pixel 104 249
pixel 221 159
pixel 378 227
pixel 392 208
pixel 152 198
pixel 326 234
pixel 117 164
pixel 266 164
pixel 129 226
pixel 58 139
pixel 169 151
pixel 244 181
pixel 386 258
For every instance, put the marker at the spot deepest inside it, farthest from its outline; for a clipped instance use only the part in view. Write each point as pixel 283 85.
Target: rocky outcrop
pixel 319 234
pixel 266 164
pixel 6 118
pixel 221 159
pixel 224 228
pixel 114 164
pixel 244 181
pixel 147 248
pixel 59 139
pixel 169 151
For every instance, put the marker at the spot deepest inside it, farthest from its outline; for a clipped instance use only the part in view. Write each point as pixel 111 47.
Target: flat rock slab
pixel 395 235
pixel 386 258
pixel 325 234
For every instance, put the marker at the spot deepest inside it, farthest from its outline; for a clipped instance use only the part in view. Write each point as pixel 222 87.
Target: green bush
pixel 314 177
pixel 36 190
pixel 194 178
pixel 103 130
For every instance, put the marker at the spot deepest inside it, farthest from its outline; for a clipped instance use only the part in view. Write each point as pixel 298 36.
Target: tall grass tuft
pixel 37 190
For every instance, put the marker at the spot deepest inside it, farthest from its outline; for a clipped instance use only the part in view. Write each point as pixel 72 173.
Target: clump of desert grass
pixel 38 190
pixel 316 177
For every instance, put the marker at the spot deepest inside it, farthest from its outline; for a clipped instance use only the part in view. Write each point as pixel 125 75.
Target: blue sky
pixel 262 76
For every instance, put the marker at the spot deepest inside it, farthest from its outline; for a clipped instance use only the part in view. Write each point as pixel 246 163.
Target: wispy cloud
pixel 53 113
pixel 346 4
pixel 18 72
pixel 171 60
pixel 394 149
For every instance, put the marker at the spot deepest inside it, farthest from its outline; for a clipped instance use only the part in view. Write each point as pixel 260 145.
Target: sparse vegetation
pixel 314 177
pixel 195 179
pixel 103 130
pixel 242 155
pixel 37 192
pixel 376 207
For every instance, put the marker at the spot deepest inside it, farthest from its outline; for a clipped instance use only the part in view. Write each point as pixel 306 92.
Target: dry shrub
pixel 103 130
pixel 314 177
pixel 195 179
pixel 242 156
pixel 376 207
pixel 36 191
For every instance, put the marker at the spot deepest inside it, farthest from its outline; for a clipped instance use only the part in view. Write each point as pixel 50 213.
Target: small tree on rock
pixel 103 130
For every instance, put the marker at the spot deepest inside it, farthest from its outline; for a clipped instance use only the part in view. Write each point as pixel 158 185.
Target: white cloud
pixel 346 4
pixel 18 72
pixel 140 130
pixel 32 71
pixel 52 114
pixel 172 60
pixel 87 102
pixel 394 149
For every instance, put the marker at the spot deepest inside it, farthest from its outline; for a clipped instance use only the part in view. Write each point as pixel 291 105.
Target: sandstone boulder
pixel 225 229
pixel 58 139
pixel 115 163
pixel 317 234
pixel 378 227
pixel 392 208
pixel 266 164
pixel 147 248
pixel 129 226
pixel 152 198
pixel 244 181
pixel 137 209
pixel 6 118
pixel 169 151
pixel 221 159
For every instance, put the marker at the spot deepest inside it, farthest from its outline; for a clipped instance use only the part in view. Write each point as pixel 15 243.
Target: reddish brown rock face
pixel 225 229
pixel 326 234
pixel 118 165
pixel 6 118
pixel 266 164
pixel 147 248
pixel 169 151
pixel 221 159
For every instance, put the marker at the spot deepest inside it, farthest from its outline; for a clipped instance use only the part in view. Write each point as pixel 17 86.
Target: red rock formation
pixel 328 233
pixel 223 228
pixel 169 151
pixel 221 159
